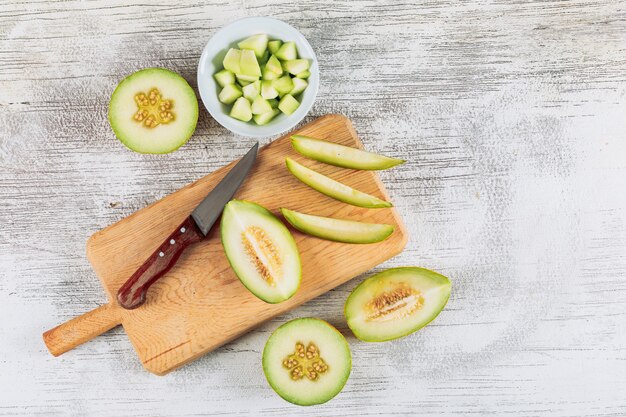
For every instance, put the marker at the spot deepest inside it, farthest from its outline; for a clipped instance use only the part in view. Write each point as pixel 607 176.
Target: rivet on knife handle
pixel 133 293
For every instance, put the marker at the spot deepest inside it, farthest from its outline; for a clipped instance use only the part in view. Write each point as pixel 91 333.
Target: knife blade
pixel 195 228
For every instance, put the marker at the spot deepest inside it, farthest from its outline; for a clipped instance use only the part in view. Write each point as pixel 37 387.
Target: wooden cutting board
pixel 200 304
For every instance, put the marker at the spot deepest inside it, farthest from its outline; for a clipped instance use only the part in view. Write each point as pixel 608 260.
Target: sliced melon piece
pixel 304 74
pixel 231 60
pixel 270 75
pixel 298 86
pixel 274 46
pixel 224 77
pixel 395 303
pixel 288 104
pixel 241 110
pixel 274 65
pixel 296 66
pixel 287 51
pixel 257 43
pixel 252 90
pixel 266 56
pixel 246 78
pixel 267 90
pixel 153 111
pixel 248 64
pixel 260 106
pixel 229 94
pixel 338 230
pixel 332 188
pixel 283 84
pixel 261 251
pixel 265 118
pixel 341 156
pixel 307 361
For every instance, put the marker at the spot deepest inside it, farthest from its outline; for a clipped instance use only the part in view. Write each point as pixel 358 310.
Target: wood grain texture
pixel 511 117
pixel 200 304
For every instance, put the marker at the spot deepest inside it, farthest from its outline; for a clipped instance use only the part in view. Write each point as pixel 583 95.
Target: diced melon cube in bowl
pixel 231 60
pixel 270 75
pixel 265 118
pixel 274 46
pixel 287 51
pixel 248 64
pixel 267 90
pixel 274 65
pixel 241 110
pixel 229 93
pixel 299 86
pixel 283 84
pixel 288 104
pixel 260 106
pixel 257 43
pixel 296 66
pixel 224 77
pixel 304 74
pixel 252 90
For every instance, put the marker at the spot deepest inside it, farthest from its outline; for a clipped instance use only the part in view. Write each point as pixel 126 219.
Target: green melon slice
pixel 261 251
pixel 252 90
pixel 153 111
pixel 274 65
pixel 257 43
pixel 260 106
pixel 304 74
pixel 298 86
pixel 265 118
pixel 267 90
pixel 341 156
pixel 338 230
pixel 307 361
pixel 274 46
pixel 288 104
pixel 241 110
pixel 296 66
pixel 287 51
pixel 248 64
pixel 332 188
pixel 283 84
pixel 395 303
pixel 231 60
pixel 224 77
pixel 229 94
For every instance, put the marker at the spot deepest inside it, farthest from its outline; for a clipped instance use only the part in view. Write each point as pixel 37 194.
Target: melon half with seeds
pixel 261 251
pixel 395 303
pixel 153 111
pixel 307 361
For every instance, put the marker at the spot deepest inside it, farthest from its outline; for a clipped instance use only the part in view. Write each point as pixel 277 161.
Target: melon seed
pixel 152 109
pixel 308 360
pixel 400 302
pixel 262 252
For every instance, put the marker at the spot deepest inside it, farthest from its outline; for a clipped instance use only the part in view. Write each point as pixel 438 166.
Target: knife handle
pixel 133 293
pixel 81 329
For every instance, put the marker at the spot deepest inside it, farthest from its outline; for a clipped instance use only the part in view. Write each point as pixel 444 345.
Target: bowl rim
pixel 223 118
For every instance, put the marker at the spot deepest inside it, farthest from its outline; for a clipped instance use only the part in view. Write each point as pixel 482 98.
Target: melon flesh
pixel 141 127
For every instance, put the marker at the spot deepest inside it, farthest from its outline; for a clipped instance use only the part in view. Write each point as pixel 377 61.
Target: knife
pixel 195 228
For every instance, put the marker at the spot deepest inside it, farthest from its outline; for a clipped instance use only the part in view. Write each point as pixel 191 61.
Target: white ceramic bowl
pixel 211 62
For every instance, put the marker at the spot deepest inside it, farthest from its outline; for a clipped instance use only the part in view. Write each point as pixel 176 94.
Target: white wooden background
pixel 512 115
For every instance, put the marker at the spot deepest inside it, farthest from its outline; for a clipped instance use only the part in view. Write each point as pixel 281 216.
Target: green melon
pixel 307 361
pixel 395 303
pixel 261 251
pixel 153 111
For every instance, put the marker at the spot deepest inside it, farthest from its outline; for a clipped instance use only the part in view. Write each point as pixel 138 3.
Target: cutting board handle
pixel 81 329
